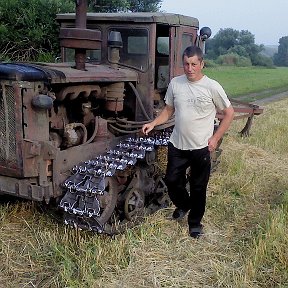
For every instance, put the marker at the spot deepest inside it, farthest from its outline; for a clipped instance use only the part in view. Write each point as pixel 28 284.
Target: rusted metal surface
pixel 136 17
pixel 11 127
pixel 80 22
pixel 79 37
pixel 244 110
pixel 92 73
pixel 114 96
pixel 74 91
pixel 81 13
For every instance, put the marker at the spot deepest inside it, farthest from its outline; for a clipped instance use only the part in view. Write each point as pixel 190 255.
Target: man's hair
pixel 191 51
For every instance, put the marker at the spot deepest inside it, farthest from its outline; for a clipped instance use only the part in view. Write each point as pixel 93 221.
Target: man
pixel 194 99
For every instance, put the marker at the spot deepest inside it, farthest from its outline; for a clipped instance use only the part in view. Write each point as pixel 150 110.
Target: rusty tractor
pixel 70 131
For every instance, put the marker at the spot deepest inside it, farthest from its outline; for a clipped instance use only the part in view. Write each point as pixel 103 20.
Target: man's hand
pixel 212 144
pixel 146 128
pixel 223 127
pixel 165 114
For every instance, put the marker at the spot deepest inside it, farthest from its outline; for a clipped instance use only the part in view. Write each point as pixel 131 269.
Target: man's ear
pixel 202 64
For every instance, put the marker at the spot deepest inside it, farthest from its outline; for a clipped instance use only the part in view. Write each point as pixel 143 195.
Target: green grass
pixel 246 228
pixel 247 80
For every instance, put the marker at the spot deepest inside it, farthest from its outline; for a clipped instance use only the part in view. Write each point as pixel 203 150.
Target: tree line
pixel 29 31
pixel 233 47
pixel 281 58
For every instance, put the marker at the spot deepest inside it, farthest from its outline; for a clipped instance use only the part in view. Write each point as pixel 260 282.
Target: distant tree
pixel 231 41
pixel 145 5
pixel 125 5
pixel 108 6
pixel 210 49
pixel 223 41
pixel 28 28
pixel 281 58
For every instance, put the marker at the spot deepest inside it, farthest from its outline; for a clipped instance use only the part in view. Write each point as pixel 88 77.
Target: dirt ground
pixel 272 98
pixel 260 98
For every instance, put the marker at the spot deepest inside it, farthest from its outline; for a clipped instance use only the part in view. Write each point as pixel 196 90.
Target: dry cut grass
pixel 245 242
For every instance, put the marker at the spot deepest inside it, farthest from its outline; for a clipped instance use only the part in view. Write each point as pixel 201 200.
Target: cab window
pixel 187 40
pixel 134 52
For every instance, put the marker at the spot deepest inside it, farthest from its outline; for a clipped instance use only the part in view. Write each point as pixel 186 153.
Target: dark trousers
pixel 176 180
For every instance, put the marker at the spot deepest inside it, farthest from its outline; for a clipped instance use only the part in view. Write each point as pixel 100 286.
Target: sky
pixel 266 20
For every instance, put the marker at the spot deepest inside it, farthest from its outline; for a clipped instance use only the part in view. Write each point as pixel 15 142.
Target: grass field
pixel 248 80
pixel 245 242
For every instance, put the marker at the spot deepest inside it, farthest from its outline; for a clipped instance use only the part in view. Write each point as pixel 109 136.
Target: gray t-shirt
pixel 195 106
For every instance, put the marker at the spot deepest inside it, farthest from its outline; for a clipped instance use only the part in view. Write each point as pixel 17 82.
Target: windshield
pixel 135 47
pixel 91 55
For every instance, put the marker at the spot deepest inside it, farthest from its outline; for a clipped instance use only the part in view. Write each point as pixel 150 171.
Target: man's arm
pixel 165 114
pixel 223 127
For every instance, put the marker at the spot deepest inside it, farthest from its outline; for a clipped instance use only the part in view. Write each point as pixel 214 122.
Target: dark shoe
pixel 179 214
pixel 196 231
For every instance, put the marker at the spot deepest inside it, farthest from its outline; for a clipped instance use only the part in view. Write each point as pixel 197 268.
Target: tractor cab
pixel 149 43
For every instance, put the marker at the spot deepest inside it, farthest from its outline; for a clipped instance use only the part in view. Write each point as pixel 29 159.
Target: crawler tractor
pixel 70 130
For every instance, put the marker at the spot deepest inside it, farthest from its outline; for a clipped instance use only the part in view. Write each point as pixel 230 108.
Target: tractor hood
pixel 64 73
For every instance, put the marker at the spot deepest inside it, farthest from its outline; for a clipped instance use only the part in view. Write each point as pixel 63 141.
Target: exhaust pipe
pixel 80 38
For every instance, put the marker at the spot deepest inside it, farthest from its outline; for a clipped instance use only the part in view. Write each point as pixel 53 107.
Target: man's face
pixel 193 68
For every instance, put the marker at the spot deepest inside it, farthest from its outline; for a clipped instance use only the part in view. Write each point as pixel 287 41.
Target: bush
pixel 210 63
pixel 45 57
pixel 29 28
pixel 261 60
pixel 244 62
pixel 233 59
